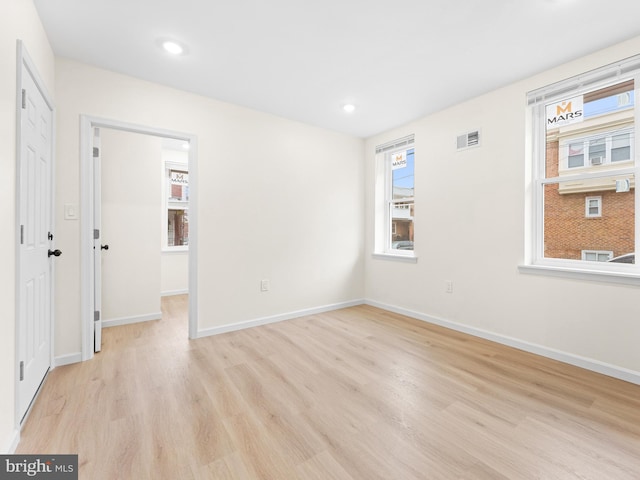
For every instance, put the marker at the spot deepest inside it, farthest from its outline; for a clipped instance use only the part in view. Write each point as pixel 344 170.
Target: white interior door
pixel 130 219
pixel 36 259
pixel 97 238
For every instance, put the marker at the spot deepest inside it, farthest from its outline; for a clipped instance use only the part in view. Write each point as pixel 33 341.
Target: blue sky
pixel 607 105
pixel 403 177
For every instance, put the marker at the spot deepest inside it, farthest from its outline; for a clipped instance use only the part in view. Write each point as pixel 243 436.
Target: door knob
pixel 55 253
pixel 104 247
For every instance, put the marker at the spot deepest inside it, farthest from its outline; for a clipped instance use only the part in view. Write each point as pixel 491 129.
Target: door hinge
pixel 50 236
pixel 96 233
pixel 96 152
pixel 21 370
pixel 24 98
pixel 96 315
pixel 21 234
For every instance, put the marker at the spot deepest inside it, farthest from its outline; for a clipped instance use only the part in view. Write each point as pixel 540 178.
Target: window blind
pixel 593 78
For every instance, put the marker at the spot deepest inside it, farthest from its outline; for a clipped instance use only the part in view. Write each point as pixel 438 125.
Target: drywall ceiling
pixel 304 59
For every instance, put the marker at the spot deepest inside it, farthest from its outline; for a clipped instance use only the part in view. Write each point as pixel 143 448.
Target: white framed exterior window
pixel 584 133
pixel 176 207
pixel 605 149
pixel 597 255
pixel 394 199
pixel 593 207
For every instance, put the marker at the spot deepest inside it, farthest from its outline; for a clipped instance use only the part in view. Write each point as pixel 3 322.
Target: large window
pixel 395 205
pixel 584 143
pixel 176 206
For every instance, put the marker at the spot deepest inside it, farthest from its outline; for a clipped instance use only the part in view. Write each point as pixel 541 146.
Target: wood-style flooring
pixel 354 394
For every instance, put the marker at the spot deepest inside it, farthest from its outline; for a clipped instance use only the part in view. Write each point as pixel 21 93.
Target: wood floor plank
pixel 353 394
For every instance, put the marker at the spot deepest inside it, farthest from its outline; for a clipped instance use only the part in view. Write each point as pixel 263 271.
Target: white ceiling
pixel 304 59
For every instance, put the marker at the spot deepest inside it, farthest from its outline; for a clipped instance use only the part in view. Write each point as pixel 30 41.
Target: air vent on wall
pixel 468 140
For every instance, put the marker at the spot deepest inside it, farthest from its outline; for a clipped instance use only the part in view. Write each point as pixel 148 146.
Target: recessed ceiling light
pixel 174 48
pixel 349 107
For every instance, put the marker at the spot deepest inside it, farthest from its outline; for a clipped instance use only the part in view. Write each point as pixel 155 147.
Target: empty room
pixel 320 240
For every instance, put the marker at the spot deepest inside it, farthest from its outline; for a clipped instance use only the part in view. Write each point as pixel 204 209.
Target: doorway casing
pixel 87 173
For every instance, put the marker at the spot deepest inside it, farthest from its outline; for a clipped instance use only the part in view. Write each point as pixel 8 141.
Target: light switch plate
pixel 70 211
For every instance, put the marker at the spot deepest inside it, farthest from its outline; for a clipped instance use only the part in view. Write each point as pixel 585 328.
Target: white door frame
pixel 87 124
pixel 24 60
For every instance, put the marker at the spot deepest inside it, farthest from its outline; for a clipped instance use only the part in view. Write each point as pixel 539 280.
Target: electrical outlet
pixel 264 285
pixel 448 286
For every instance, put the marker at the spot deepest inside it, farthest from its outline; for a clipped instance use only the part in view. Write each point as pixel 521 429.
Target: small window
pixel 597 255
pixel 576 155
pixel 597 151
pixel 621 147
pixel 176 189
pixel 593 207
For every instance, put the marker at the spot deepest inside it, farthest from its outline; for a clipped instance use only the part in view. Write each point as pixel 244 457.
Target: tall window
pixel 395 205
pixel 176 206
pixel 584 141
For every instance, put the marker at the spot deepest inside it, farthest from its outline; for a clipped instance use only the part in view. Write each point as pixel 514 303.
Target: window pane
pixel 178 228
pixel 179 181
pixel 597 151
pixel 621 147
pixel 589 130
pixel 402 225
pixel 568 231
pixel 576 155
pixel 594 207
pixel 403 175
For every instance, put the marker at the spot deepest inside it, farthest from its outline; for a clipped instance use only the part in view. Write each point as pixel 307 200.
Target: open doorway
pixel 138 224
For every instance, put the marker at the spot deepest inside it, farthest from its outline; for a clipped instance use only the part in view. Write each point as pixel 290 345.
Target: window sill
pixel 395 257
pixel 174 250
pixel 624 278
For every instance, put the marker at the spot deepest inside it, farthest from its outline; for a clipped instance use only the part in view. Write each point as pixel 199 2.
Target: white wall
pixel 277 199
pixel 18 20
pixel 131 224
pixel 470 229
pixel 174 273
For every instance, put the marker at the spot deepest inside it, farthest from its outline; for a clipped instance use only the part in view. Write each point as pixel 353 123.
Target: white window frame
pixel 535 261
pixel 384 200
pixel 609 253
pixel 170 204
pixel 587 207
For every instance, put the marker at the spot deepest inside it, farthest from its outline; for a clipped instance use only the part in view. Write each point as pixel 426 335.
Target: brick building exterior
pixel 568 231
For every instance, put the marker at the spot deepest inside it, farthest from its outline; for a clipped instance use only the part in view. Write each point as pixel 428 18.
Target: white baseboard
pixel 113 322
pixel 67 359
pixel 275 318
pixel 170 293
pixel 572 359
pixel 12 444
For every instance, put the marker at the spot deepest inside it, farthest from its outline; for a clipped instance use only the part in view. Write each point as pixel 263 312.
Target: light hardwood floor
pixel 355 394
